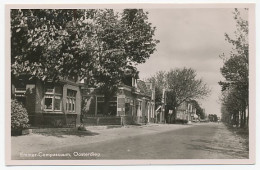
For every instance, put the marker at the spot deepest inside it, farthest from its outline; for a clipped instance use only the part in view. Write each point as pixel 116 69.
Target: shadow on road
pixel 114 126
pixel 62 134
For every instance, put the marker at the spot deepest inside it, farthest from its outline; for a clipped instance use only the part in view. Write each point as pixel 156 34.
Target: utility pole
pixel 163 105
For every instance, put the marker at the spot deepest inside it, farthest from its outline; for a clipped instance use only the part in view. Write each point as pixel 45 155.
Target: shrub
pixel 185 121
pixel 181 121
pixel 19 116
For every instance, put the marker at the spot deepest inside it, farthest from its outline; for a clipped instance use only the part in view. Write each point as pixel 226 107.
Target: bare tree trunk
pixel 247 123
pixel 245 117
pixel 237 119
pixel 172 116
pixel 241 118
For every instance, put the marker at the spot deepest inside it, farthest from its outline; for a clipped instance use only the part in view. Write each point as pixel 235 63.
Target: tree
pixel 48 44
pixel 236 69
pixel 94 44
pixel 225 116
pixel 130 42
pixel 180 85
pixel 183 85
pixel 199 110
pixel 159 82
pixel 232 105
pixel 213 118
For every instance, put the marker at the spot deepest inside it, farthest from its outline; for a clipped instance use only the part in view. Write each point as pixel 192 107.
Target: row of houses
pixel 70 102
pixel 186 112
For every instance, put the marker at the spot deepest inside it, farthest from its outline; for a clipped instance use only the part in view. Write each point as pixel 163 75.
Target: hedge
pixel 19 116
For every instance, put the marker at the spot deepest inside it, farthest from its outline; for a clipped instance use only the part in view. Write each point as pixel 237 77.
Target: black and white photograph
pixel 128 83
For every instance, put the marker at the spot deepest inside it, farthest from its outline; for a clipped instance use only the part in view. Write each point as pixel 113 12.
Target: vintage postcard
pixel 130 84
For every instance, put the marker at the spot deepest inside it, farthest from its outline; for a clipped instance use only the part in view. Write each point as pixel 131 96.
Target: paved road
pixel 204 141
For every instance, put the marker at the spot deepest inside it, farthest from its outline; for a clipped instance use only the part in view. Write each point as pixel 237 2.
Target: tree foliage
pixel 231 106
pixel 236 70
pixel 213 117
pixel 94 44
pixel 180 85
pixel 199 111
pixel 97 44
pixel 184 85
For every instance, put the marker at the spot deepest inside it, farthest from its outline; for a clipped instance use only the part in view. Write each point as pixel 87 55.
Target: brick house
pixel 68 102
pixel 133 103
pixel 49 104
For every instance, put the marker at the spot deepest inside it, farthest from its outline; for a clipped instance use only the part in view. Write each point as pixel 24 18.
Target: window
pixel 139 109
pixel 71 100
pixel 140 105
pixel 73 105
pixel 57 103
pixel 70 105
pixel 48 102
pixel 52 98
pixel 20 90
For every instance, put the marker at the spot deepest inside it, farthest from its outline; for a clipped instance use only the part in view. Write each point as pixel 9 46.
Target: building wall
pixel 131 107
pixel 38 97
pixel 77 104
pixel 35 98
pixel 185 111
pixel 121 105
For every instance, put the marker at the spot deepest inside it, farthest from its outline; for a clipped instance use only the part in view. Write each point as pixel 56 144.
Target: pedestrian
pixel 145 120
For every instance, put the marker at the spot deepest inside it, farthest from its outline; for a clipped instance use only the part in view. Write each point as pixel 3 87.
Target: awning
pixel 158 108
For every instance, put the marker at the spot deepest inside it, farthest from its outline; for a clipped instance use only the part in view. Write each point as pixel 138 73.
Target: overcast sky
pixel 192 38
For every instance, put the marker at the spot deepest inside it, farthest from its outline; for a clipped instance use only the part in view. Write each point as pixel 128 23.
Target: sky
pixel 192 38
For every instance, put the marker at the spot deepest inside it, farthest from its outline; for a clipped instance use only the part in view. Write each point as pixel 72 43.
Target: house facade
pixel 133 103
pixel 186 111
pixel 47 103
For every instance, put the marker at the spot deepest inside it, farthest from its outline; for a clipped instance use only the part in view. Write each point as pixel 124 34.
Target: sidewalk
pixel 36 142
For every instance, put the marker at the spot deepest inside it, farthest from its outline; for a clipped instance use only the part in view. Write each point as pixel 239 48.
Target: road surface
pixel 199 141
